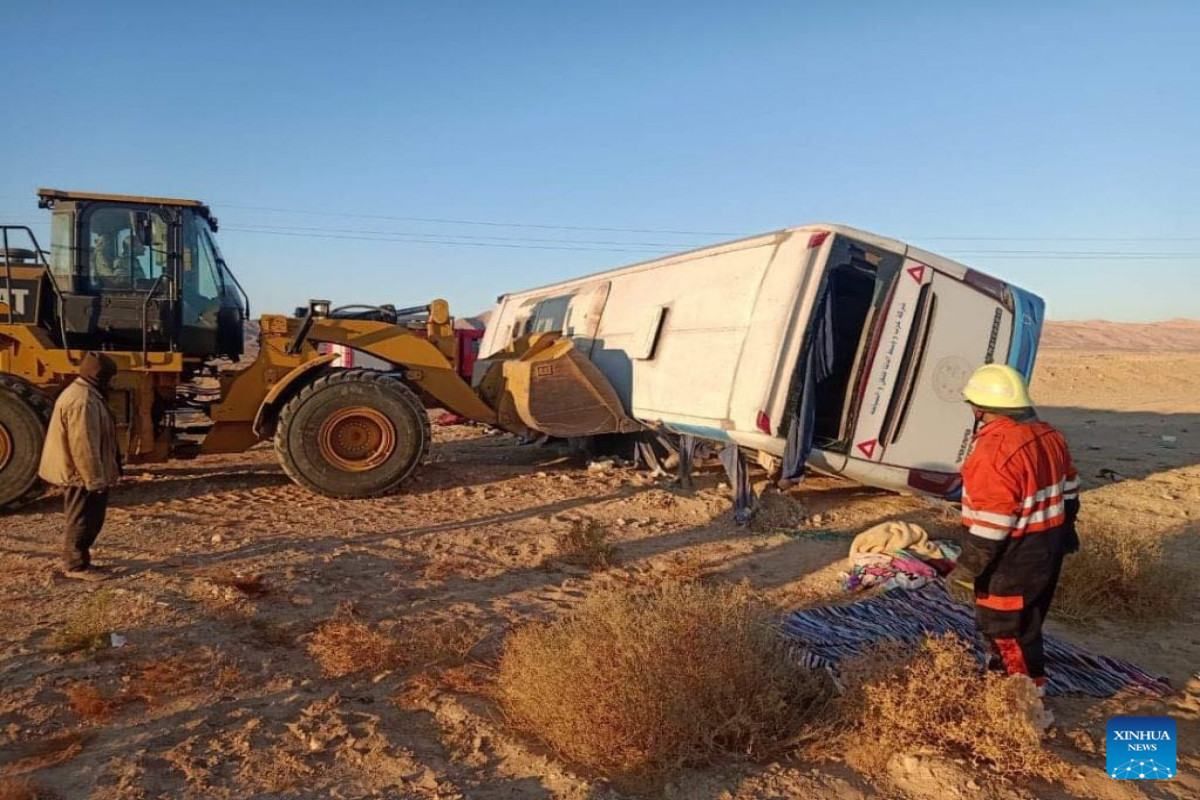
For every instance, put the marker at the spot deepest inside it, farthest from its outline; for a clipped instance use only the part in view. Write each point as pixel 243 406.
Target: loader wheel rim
pixel 357 439
pixel 6 448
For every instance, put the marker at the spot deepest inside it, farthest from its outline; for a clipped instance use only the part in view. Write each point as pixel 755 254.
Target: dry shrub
pixel 272 634
pixel 683 568
pixel 88 626
pixel 636 686
pixel 251 585
pixel 473 679
pixel 163 678
pixel 1120 573
pixel 228 677
pixel 441 642
pixel 22 789
pixel 777 511
pixel 444 567
pixel 44 753
pixel 155 681
pixel 343 646
pixel 586 545
pixel 898 699
pixel 92 704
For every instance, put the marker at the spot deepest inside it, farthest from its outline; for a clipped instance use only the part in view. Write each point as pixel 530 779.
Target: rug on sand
pixel 828 634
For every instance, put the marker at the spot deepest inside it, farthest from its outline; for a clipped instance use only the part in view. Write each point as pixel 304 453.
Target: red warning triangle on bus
pixel 917 272
pixel 868 447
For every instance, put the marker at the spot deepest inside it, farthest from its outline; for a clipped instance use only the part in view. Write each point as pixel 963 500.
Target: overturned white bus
pixel 854 345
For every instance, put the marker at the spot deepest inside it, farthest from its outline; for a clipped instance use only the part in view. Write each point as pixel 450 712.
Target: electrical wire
pixel 457 236
pixel 461 239
pixel 489 223
pixel 451 243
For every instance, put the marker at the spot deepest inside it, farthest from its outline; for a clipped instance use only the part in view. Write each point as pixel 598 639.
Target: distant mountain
pixel 1172 336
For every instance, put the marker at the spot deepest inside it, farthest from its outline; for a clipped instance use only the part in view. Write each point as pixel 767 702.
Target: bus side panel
pixel 669 339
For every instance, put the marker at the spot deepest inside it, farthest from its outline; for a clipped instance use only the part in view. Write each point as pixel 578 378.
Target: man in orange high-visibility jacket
pixel 1019 504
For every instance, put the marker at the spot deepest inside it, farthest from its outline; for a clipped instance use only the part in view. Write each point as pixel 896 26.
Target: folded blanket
pixel 887 537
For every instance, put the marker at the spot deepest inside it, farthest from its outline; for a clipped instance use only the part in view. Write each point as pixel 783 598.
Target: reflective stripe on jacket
pixel 81 442
pixel 1017 480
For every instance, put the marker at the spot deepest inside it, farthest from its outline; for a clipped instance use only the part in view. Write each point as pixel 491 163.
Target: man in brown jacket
pixel 80 455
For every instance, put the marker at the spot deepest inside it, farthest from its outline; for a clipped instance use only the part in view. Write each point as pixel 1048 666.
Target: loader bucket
pixel 554 389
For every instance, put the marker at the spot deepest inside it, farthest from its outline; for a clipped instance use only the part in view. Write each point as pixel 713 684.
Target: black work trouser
pixel 1010 612
pixel 84 512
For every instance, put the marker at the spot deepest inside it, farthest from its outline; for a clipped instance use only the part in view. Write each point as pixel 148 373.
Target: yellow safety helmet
pixel 997 386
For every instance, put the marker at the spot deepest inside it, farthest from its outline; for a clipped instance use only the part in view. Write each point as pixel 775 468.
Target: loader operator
pixel 80 455
pixel 115 254
pixel 1019 504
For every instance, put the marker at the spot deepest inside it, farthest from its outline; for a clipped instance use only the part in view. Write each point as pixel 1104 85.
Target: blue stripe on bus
pixel 1029 313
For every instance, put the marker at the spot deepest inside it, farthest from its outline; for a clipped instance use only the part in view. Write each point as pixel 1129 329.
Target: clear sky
pixel 351 149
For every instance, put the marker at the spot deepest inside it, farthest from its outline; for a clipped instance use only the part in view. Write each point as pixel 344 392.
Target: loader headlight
pixel 319 308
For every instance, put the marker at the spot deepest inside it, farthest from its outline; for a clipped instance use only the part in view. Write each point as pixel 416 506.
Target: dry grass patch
pixel 157 681
pixel 444 567
pixel 44 753
pixel 440 642
pixel 92 704
pixel 586 545
pixel 345 646
pixel 637 685
pixel 777 511
pixel 898 699
pixel 88 627
pixel 1121 573
pixel 270 633
pixel 250 585
pixel 22 789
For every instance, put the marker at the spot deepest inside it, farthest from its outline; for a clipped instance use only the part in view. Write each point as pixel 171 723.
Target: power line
pixel 459 239
pixel 1058 238
pixel 1080 253
pixel 447 242
pixel 321 229
pixel 658 247
pixel 1035 256
pixel 489 223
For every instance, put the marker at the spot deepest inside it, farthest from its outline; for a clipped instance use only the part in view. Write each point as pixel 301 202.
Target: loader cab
pixel 142 273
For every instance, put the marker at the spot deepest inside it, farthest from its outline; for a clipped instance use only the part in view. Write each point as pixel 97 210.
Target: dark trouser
pixel 1014 636
pixel 85 517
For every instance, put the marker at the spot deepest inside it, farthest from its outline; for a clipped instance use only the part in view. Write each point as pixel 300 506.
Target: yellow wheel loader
pixel 142 279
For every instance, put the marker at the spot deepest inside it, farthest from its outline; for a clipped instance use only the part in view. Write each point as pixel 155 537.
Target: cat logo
pixel 18 299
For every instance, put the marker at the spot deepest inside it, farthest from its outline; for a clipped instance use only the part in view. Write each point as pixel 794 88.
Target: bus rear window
pixel 858 280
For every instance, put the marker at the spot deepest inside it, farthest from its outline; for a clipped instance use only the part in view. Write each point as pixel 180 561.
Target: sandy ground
pixel 229 704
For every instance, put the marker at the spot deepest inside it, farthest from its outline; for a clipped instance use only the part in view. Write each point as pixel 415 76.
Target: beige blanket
pixel 895 535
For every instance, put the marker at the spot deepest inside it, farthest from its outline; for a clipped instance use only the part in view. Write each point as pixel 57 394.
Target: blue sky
pixel 1054 147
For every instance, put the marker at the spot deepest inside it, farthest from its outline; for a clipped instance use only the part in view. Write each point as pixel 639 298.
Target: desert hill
pixel 1176 335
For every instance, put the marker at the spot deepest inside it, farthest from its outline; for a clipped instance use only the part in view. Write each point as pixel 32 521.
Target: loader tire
pixel 353 433
pixel 24 416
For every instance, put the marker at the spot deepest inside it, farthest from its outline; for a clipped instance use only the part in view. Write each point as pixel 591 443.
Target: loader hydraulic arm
pixel 424 364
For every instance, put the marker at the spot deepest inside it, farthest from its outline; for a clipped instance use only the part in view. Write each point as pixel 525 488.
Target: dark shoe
pixel 90 574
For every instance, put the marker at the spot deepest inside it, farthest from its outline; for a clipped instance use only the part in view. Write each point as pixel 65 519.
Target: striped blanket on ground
pixel 828 634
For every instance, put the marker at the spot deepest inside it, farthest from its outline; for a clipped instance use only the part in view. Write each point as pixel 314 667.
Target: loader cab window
pixel 202 285
pixel 62 250
pixel 126 248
